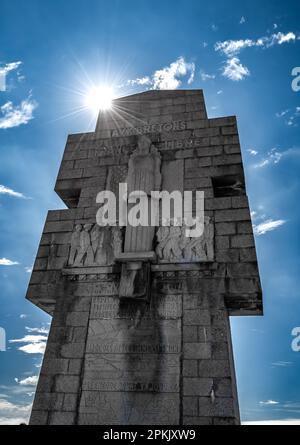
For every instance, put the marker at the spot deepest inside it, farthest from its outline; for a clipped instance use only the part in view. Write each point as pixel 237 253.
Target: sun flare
pixel 99 98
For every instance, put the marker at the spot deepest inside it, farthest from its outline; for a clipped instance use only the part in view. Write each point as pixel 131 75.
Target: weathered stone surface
pixel 195 386
pixel 197 350
pixel 128 408
pixel 165 359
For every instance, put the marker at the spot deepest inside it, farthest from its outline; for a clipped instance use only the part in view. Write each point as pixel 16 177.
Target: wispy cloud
pixel 267 226
pixel 252 151
pixel 34 344
pixel 272 157
pixel 13 116
pixel 282 113
pixel 28 381
pixel 41 330
pixel 4 70
pixel 140 81
pixel 242 20
pixel 169 77
pixel 204 76
pixel 7 262
pixel 13 414
pixel 10 192
pixel 291 116
pixel 269 402
pixel 275 155
pixel 233 47
pixel 234 70
pixel 282 364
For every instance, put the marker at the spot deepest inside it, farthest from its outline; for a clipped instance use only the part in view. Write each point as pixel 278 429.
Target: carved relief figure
pixel 117 240
pixel 92 245
pixel 162 237
pixel 174 246
pixel 85 248
pixel 209 238
pixel 75 243
pixel 143 175
pixel 172 250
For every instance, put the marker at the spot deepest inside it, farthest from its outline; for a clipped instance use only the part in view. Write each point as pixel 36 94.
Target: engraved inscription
pixel 121 408
pixel 160 306
pixel 119 372
pixel 134 336
pixel 154 128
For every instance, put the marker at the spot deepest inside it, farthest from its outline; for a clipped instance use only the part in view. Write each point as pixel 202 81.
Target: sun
pixel 99 98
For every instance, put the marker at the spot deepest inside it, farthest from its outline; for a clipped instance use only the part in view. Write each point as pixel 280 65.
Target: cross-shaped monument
pixel 140 329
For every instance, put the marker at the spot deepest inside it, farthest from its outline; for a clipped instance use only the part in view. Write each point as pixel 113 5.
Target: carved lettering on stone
pixel 134 336
pixel 160 307
pixel 118 372
pixel 121 408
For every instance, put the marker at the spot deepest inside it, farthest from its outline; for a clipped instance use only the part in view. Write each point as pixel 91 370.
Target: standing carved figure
pixel 75 244
pixel 162 238
pixel 208 238
pixel 85 250
pixel 117 240
pixel 143 175
pixel 172 250
pixel 95 237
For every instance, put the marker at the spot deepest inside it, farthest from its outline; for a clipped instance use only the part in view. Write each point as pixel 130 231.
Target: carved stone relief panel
pixel 92 245
pixel 173 246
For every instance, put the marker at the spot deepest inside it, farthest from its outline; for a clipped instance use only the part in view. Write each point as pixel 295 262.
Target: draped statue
pixel 143 176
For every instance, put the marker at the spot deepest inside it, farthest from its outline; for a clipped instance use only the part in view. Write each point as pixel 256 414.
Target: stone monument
pixel 140 328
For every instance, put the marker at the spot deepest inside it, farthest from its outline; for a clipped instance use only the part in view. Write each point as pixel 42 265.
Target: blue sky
pixel 242 55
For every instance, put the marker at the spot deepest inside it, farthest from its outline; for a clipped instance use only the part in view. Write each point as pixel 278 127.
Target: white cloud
pixel 243 20
pixel 13 414
pixel 273 422
pixel 34 344
pixel 269 402
pixel 41 330
pixel 282 364
pixel 8 191
pixel 272 157
pixel 283 38
pixel 205 76
pixel 13 116
pixel 267 226
pixel 282 113
pixel 4 70
pixel 28 381
pixel 168 78
pixel 252 152
pixel 28 269
pixel 214 27
pixel 7 262
pixel 220 92
pixel 234 47
pixel 292 116
pixel 23 316
pixel 234 70
pixel 140 81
